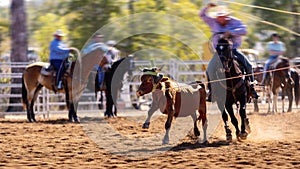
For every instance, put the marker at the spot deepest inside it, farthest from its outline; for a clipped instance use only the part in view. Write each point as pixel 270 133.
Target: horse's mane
pixel 117 63
pixel 224 41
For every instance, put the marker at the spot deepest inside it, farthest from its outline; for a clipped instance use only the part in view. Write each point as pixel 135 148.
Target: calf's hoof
pixel 146 125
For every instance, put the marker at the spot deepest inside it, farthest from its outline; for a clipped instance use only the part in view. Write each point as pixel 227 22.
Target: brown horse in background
pixel 74 81
pixel 279 79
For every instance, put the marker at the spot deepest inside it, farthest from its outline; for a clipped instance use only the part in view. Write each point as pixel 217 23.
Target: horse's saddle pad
pixel 274 63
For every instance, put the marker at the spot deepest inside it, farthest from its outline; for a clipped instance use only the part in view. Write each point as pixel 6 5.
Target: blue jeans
pixel 59 67
pixel 267 65
pixel 100 74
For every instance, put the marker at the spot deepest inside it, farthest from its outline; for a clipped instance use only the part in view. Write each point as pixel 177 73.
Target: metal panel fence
pixel 49 102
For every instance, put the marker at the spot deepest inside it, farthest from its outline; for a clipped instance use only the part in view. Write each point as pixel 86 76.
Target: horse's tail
pixel 24 93
pixel 296 86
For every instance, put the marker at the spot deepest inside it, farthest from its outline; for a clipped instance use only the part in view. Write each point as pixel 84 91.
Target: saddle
pixel 274 63
pixel 48 70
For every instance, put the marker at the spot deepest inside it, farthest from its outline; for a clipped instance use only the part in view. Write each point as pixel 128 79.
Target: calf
pixel 174 100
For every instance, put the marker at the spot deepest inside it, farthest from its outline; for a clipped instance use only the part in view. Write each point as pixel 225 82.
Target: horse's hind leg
pixel 34 98
pixel 100 105
pixel 289 92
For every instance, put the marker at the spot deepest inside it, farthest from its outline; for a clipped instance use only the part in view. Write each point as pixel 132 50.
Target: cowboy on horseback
pixel 227 26
pixel 275 49
pixel 58 53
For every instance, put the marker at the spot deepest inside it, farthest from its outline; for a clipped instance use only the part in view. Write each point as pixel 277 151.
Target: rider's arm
pixel 236 27
pixel 57 48
pixel 203 14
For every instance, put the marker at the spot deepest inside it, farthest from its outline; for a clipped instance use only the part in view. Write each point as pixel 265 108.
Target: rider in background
pixel 58 53
pixel 275 49
pixel 226 25
pixel 112 54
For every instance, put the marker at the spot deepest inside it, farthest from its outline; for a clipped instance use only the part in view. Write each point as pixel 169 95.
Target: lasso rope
pixel 235 77
pixel 255 18
pixel 261 7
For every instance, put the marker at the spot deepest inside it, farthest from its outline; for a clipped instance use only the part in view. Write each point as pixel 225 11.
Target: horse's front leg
pixel 234 121
pixel 225 120
pixel 275 99
pixel 73 113
pixel 245 126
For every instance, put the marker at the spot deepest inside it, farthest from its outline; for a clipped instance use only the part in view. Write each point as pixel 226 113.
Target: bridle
pixel 224 50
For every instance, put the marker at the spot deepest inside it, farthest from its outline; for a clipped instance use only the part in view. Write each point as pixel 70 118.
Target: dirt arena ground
pixel 55 143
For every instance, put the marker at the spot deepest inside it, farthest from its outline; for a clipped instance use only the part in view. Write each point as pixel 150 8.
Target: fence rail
pixel 50 103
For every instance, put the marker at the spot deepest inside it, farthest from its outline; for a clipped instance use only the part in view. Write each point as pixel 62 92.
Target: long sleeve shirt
pixel 58 51
pixel 276 48
pixel 234 26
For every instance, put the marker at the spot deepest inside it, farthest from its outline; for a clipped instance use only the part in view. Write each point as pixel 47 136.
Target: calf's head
pixel 149 81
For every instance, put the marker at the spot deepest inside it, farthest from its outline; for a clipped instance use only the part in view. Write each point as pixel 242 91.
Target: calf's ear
pixel 164 79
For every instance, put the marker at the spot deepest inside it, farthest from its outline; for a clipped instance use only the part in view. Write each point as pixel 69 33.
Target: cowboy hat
pixel 111 42
pixel 219 11
pixel 59 33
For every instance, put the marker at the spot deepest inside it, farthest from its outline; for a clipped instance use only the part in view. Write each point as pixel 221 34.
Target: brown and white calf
pixel 174 100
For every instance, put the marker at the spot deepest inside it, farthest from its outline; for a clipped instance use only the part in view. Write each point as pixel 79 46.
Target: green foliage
pixel 91 15
pixel 49 24
pixel 280 22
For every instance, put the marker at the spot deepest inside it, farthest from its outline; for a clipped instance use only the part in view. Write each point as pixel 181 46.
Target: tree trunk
pixel 18 46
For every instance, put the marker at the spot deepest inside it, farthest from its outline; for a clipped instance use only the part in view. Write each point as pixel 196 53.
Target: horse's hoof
pixel 243 136
pixel 146 125
pixel 228 137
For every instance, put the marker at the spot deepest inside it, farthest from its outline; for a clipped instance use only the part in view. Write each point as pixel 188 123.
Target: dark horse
pixel 279 78
pixel 74 81
pixel 234 89
pixel 113 79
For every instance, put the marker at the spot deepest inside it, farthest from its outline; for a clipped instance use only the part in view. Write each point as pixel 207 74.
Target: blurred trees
pixel 81 18
pixel 286 23
pixel 18 32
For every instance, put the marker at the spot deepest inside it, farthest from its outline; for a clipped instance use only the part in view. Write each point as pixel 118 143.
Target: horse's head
pixel 224 50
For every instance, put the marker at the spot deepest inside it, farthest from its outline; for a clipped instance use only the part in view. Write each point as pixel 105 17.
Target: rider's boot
pixel 59 86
